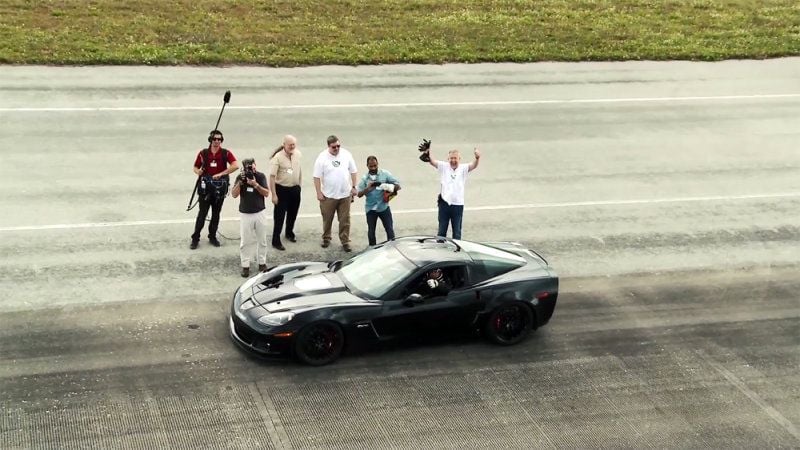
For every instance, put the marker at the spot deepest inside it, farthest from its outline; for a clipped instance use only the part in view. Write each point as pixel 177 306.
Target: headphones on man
pixel 213 133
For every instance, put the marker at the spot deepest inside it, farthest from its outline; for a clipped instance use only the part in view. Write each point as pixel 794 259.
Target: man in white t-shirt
pixel 452 179
pixel 335 178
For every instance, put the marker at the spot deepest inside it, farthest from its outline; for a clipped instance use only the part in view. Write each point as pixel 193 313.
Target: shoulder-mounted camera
pixel 248 170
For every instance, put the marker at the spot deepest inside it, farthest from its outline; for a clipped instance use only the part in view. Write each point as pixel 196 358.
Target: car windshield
pixel 375 271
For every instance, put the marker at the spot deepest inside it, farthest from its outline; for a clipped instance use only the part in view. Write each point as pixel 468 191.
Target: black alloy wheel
pixel 509 324
pixel 319 343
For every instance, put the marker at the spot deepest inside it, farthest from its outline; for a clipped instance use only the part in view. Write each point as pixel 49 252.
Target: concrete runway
pixel 665 194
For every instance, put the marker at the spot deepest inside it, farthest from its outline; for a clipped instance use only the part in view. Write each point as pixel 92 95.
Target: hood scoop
pixel 313 284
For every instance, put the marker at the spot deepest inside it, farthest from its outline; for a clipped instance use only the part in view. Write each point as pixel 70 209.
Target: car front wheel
pixel 509 324
pixel 319 343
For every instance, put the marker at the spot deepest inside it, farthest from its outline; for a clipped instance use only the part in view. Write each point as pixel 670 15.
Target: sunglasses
pixel 216 139
pixel 335 146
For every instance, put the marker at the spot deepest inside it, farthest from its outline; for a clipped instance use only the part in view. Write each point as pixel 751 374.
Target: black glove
pixel 425 145
pixel 425 148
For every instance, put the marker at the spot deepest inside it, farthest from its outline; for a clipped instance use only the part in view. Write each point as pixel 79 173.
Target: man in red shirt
pixel 212 165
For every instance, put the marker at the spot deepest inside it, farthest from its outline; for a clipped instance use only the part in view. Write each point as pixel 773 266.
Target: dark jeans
pixel 286 209
pixel 450 214
pixel 386 220
pixel 202 213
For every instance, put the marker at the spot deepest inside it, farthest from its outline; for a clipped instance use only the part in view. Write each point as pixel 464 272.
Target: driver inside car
pixel 434 284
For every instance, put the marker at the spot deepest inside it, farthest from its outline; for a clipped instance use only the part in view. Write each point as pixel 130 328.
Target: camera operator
pixel 252 186
pixel 212 166
pixel 379 186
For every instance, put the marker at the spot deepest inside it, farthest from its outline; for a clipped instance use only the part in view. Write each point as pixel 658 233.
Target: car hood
pixel 309 290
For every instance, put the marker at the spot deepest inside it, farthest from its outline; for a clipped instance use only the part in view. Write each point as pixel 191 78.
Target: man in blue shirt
pixel 379 186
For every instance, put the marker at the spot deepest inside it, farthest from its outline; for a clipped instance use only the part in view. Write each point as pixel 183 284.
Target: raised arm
pixel 474 164
pixel 432 161
pixel 425 148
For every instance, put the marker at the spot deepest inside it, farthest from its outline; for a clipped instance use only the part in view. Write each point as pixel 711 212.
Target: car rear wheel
pixel 319 343
pixel 509 324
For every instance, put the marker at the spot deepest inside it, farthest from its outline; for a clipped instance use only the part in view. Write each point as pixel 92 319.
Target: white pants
pixel 253 228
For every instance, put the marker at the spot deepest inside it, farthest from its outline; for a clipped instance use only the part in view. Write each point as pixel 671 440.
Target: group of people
pixel 336 183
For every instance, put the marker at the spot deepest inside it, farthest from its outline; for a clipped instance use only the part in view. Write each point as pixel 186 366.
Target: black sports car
pixel 407 287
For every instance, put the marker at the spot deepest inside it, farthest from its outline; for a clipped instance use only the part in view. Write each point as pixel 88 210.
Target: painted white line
pixel 412 105
pixel 713 198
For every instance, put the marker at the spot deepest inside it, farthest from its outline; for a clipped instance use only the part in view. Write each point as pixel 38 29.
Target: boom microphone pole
pixel 225 99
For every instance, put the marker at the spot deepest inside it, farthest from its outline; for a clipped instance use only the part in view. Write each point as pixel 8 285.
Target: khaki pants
pixel 253 246
pixel 340 207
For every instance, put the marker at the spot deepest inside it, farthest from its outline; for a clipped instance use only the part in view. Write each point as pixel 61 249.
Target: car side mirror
pixel 413 299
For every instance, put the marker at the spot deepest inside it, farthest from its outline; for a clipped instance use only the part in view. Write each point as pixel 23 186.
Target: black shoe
pixel 262 267
pixel 193 245
pixel 245 272
pixel 291 238
pixel 279 247
pixel 325 244
pixel 214 242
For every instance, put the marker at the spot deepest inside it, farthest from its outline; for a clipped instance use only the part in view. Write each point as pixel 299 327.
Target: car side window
pixel 458 277
pixel 489 268
pixel 453 277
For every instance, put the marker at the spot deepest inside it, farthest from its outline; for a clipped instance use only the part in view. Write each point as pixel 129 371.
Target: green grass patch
pixel 304 32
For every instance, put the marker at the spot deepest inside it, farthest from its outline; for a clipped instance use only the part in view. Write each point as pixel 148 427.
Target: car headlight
pixel 275 319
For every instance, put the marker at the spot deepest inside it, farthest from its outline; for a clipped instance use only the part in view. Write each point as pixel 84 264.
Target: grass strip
pixel 349 32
